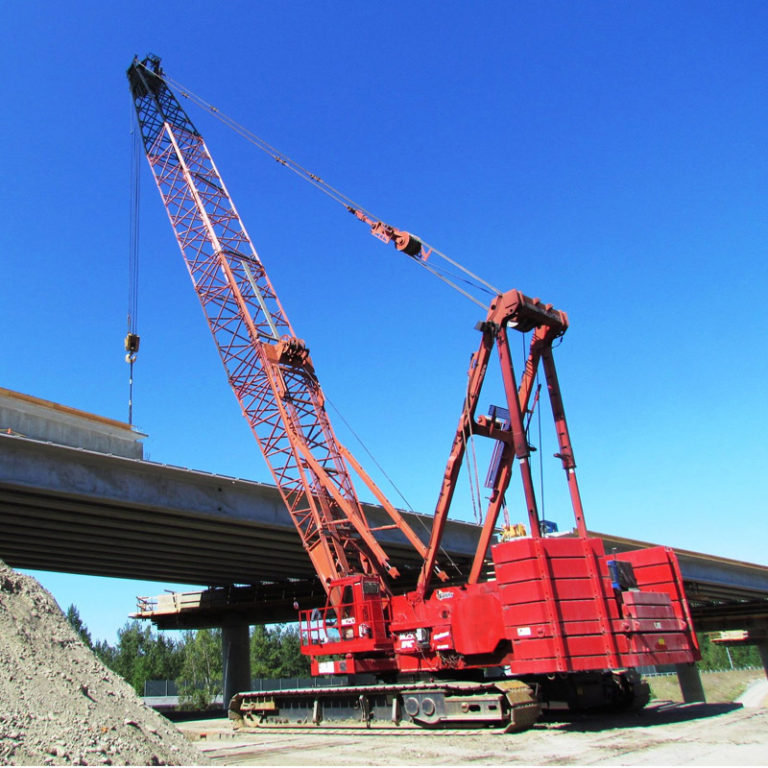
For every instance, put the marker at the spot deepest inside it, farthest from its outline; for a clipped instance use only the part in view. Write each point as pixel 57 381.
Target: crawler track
pixel 508 705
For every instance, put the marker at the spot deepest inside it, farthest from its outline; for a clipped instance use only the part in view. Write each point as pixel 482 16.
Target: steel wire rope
pixel 471 278
pixel 133 237
pixel 474 484
pixel 131 339
pixel 540 449
pixel 541 456
pixel 467 439
pixel 381 469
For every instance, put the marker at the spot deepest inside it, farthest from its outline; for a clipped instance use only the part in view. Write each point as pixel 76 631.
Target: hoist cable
pixel 133 238
pixel 468 439
pixel 132 338
pixel 276 155
pixel 359 439
pixel 336 195
pixel 367 450
pixel 541 456
pixel 453 285
pixel 536 407
pixel 474 485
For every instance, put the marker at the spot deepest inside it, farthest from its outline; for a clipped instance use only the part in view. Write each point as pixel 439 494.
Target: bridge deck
pixel 78 511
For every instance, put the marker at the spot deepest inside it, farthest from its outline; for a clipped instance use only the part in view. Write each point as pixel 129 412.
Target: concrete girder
pixel 79 511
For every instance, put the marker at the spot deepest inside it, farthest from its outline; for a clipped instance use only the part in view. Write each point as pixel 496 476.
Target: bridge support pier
pixel 762 649
pixel 690 682
pixel 236 659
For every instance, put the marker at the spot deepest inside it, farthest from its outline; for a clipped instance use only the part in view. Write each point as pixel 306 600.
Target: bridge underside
pixel 78 511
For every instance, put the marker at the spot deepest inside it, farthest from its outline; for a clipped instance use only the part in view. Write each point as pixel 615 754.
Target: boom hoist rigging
pixel 556 619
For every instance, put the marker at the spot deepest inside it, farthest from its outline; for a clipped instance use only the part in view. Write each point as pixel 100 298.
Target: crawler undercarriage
pixel 508 704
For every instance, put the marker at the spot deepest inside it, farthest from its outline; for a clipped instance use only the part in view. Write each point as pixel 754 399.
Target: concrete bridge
pixel 76 496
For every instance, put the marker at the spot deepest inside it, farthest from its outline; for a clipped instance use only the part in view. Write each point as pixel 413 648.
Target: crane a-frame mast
pixel 269 368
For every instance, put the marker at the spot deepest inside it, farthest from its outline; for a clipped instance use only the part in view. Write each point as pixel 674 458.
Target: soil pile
pixel 59 705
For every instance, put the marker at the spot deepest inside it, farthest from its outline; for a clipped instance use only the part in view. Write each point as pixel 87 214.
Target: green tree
pixel 201 674
pixel 143 655
pixel 264 652
pixel 73 617
pixel 293 663
pixel 140 653
pixel 276 652
pixel 165 658
pixel 106 653
pixel 716 656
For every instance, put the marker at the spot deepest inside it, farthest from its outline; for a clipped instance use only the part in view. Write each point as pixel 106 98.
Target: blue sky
pixel 608 157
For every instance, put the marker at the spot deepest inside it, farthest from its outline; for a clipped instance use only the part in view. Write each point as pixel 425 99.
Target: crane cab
pixel 353 621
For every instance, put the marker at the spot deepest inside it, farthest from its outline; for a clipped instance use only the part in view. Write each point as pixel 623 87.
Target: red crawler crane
pixel 555 620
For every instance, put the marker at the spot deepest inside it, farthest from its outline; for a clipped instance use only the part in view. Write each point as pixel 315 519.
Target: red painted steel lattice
pixel 267 366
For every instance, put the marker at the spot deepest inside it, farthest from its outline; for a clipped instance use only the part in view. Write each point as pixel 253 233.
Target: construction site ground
pixel 60 706
pixel 665 733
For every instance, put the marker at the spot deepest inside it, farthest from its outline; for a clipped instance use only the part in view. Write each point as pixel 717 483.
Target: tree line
pixel 193 659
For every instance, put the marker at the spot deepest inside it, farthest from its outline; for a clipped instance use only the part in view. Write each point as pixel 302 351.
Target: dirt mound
pixel 59 705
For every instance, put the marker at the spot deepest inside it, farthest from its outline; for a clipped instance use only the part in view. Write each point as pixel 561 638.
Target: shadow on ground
pixel 657 713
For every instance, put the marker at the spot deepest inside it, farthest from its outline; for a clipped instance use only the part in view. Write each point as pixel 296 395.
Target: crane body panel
pixel 554 607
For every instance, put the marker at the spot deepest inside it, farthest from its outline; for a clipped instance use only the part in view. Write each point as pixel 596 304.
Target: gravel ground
pixel 755 696
pixel 664 733
pixel 59 705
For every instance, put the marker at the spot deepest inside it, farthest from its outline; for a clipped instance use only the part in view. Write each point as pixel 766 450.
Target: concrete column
pixel 236 659
pixel 762 649
pixel 690 682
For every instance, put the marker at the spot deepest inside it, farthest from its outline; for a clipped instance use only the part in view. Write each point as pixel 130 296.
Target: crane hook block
pixel 406 242
pixel 132 343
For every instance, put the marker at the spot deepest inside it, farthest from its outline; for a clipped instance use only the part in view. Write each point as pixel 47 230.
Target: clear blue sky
pixel 609 157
